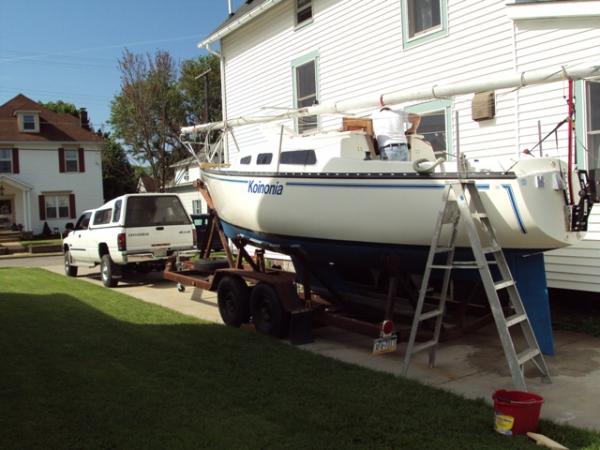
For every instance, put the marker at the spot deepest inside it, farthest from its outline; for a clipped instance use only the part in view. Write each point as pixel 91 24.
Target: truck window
pixel 155 210
pixel 84 221
pixel 117 212
pixel 102 217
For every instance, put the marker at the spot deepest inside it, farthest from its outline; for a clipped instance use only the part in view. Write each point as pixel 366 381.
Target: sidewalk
pixel 473 366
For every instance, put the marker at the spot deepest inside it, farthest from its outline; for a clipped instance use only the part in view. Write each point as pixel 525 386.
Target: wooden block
pixel 540 439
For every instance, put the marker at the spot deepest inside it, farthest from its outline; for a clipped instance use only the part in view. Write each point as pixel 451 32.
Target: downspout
pixel 223 97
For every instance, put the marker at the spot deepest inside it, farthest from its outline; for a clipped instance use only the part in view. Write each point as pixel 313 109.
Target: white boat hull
pixel 527 208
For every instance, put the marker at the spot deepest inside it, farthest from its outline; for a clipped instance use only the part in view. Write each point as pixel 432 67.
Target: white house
pixel 50 166
pixel 289 53
pixel 186 172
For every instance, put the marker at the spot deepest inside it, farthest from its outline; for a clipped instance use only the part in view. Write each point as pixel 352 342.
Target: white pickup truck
pixel 132 232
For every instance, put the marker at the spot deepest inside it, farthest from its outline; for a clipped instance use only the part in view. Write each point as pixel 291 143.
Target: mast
pixel 503 81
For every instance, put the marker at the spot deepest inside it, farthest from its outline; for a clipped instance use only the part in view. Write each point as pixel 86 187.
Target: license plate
pixel 160 253
pixel 385 345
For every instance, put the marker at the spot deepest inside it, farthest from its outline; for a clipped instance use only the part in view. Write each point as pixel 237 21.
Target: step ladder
pixel 465 206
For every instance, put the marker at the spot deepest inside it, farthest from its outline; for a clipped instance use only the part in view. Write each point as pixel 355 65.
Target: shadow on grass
pixel 73 376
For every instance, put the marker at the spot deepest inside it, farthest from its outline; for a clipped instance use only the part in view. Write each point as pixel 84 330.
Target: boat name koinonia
pixel 262 188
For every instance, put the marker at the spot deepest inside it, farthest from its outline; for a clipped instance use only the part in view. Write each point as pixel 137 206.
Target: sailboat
pixel 329 196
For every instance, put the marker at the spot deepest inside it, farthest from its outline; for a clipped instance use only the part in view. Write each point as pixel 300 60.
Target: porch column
pixel 27 210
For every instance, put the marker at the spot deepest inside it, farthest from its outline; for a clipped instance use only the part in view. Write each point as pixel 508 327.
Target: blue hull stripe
pixel 513 202
pixel 507 187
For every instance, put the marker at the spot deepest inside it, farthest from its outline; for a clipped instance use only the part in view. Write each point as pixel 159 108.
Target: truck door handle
pixel 160 228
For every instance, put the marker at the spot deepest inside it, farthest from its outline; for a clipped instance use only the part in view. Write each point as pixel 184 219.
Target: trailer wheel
pixel 233 299
pixel 268 315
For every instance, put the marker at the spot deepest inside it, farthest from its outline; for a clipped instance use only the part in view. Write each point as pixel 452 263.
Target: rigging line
pixel 106 47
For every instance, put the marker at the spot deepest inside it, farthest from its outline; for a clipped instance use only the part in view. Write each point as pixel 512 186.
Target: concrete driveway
pixel 473 366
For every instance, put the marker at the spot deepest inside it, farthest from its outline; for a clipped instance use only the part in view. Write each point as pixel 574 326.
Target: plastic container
pixel 516 412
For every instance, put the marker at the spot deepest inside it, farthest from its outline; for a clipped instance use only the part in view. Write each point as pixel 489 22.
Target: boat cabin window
pixel 264 158
pixel 299 157
pixel 246 160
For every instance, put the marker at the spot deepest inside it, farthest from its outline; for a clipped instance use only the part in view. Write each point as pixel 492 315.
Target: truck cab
pixel 132 232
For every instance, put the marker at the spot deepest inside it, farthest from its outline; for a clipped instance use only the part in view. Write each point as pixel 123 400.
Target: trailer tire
pixel 233 298
pixel 268 315
pixel 210 265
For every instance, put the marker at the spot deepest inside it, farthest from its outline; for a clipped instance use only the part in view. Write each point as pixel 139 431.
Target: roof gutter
pixel 239 22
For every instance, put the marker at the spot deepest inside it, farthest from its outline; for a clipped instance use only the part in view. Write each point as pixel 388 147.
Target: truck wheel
pixel 233 298
pixel 268 315
pixel 107 269
pixel 70 271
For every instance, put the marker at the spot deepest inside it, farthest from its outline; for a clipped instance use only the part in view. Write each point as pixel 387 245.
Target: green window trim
pixel 435 33
pixel 438 105
pixel 308 57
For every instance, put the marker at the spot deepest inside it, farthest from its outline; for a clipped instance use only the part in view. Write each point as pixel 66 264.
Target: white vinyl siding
pixel 364 48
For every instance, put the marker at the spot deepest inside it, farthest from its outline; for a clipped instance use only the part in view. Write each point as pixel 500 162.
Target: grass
pixel 89 368
pixel 42 242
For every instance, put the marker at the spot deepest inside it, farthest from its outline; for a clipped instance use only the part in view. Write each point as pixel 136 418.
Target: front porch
pixel 15 205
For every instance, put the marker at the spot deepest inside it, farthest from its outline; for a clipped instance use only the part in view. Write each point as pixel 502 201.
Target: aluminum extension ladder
pixel 476 223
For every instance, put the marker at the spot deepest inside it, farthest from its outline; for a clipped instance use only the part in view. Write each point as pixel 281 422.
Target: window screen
pixel 264 158
pixel 152 210
pixel 422 15
pixel 301 157
pixel 306 93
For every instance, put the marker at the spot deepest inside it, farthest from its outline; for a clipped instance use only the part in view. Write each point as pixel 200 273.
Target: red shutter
pixel 15 160
pixel 42 202
pixel 81 160
pixel 61 160
pixel 72 206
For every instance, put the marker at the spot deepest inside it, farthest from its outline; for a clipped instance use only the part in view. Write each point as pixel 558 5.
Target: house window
pixel 5 160
pixel 435 126
pixel 186 174
pixel 196 206
pixel 71 161
pixel 423 20
pixel 593 124
pixel 28 122
pixel 305 89
pixel 57 206
pixel 303 11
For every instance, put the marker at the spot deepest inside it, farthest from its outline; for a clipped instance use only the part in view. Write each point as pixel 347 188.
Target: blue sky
pixel 68 50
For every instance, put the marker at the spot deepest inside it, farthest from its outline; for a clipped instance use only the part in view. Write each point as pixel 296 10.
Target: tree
pixel 192 82
pixel 61 107
pixel 118 177
pixel 148 112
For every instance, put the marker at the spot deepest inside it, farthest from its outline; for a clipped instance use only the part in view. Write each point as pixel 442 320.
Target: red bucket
pixel 516 412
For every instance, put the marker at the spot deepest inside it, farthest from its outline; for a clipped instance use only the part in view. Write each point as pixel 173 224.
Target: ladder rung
pixel 526 355
pixel 466 265
pixel 489 250
pixel 424 346
pixel 443 249
pixel 515 319
pixel 430 314
pixel 480 215
pixel 504 284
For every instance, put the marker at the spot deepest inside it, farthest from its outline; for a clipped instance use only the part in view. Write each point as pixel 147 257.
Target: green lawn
pixel 88 368
pixel 42 242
